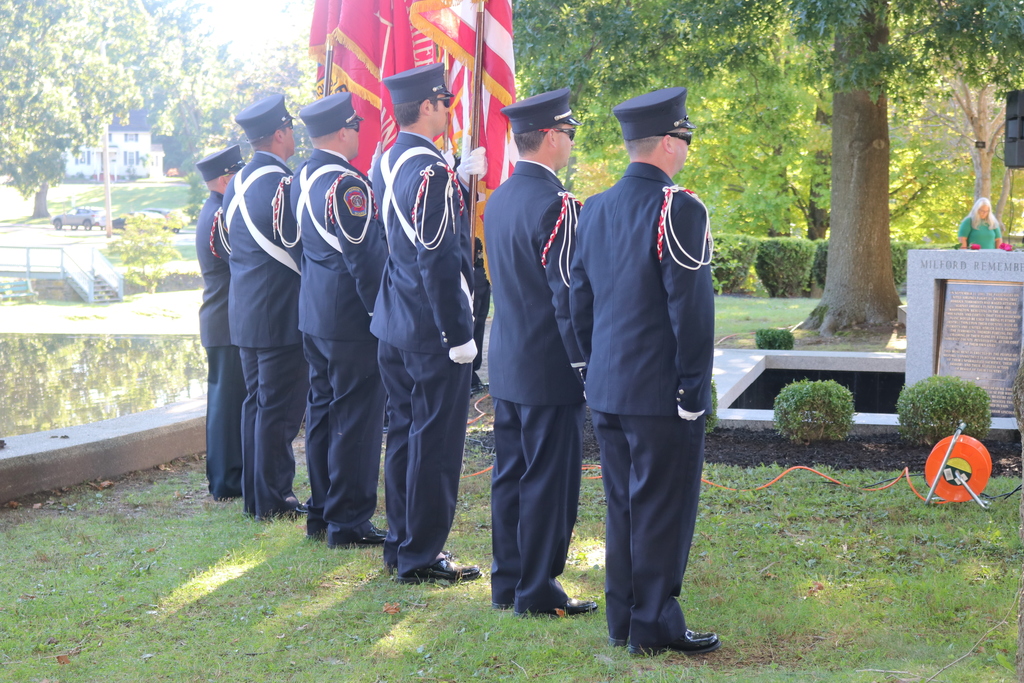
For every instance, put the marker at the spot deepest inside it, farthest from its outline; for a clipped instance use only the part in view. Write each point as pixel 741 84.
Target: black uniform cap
pixel 262 118
pixel 416 85
pixel 329 114
pixel 654 113
pixel 540 111
pixel 220 163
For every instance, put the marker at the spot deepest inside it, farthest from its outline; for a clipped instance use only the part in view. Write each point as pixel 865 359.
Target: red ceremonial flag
pixel 372 40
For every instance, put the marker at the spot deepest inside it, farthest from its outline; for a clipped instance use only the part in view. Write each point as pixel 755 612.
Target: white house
pixel 132 152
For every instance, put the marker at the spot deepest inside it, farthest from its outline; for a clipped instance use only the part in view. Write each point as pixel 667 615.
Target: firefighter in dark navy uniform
pixel 343 256
pixel 263 308
pixel 424 321
pixel 535 365
pixel 642 309
pixel 225 391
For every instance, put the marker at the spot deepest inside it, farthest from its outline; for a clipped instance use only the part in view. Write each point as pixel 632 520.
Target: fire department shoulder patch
pixel 355 200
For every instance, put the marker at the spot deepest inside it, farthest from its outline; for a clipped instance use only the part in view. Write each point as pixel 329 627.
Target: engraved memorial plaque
pixel 980 337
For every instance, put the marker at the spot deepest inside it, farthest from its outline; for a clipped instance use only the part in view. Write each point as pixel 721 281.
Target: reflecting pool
pixel 48 381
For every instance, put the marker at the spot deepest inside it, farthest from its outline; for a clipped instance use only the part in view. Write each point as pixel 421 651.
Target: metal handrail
pixel 103 269
pixel 38 261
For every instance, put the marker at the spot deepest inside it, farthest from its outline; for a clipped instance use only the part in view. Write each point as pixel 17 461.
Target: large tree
pixel 58 90
pixel 876 49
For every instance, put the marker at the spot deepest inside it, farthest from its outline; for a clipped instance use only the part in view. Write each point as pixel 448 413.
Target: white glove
pixel 474 163
pixel 687 415
pixel 463 354
pixel 378 150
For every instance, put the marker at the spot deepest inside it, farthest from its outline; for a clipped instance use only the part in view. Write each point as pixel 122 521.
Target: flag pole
pixel 328 56
pixel 476 113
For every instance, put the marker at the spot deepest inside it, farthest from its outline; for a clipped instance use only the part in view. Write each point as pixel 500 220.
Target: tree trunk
pixel 860 286
pixel 40 210
pixel 1004 196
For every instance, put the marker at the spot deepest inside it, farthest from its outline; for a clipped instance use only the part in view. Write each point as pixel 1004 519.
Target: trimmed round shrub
pixel 810 411
pixel 933 408
pixel 773 338
pixel 712 419
pixel 783 264
pixel 734 256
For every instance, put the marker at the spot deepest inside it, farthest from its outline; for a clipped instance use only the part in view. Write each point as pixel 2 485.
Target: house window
pixel 110 137
pixel 131 137
pixel 80 160
pixel 88 157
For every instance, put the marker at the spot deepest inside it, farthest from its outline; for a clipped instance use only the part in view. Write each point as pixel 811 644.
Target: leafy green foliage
pixel 734 257
pixel 772 338
pixel 811 411
pixel 933 408
pixel 58 92
pixel 145 248
pixel 712 418
pixel 783 265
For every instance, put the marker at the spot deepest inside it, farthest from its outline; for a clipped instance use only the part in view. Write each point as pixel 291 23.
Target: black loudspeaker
pixel 1014 147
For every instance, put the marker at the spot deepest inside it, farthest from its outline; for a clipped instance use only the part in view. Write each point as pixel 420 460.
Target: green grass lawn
pixel 124 197
pixel 736 318
pixel 150 580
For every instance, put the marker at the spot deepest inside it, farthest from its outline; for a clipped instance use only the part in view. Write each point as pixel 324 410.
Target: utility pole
pixel 106 163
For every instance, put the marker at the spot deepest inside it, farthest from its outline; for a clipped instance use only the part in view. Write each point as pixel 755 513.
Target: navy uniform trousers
pixel 225 394
pixel 422 468
pixel 536 487
pixel 651 544
pixel 344 419
pixel 276 380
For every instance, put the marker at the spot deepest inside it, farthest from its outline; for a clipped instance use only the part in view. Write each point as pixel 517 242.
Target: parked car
pixel 149 213
pixel 85 216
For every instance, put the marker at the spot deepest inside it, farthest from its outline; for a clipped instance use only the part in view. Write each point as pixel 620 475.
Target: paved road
pixel 12 235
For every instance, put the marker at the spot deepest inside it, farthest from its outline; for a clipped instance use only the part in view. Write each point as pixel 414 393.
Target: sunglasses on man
pixel 571 132
pixel 685 136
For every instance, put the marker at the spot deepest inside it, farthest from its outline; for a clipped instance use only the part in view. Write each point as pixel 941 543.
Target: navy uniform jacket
pixel 341 272
pixel 645 326
pixel 532 348
pixel 263 305
pixel 213 262
pixel 425 302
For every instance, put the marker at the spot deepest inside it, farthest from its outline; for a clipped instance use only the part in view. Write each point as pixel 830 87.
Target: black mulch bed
pixel 747 448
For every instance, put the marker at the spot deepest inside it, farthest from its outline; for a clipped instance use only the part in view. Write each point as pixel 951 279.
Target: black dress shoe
pixel 501 605
pixel 690 643
pixel 442 570
pixel 374 536
pixel 616 642
pixel 572 608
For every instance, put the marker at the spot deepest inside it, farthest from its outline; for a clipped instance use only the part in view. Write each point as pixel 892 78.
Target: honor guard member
pixel 225 382
pixel 534 365
pixel 343 254
pixel 264 309
pixel 424 321
pixel 643 311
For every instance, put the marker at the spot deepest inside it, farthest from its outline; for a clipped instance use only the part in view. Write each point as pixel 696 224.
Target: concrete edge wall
pixel 65 457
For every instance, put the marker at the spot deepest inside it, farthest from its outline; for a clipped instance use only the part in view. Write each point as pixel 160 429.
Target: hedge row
pixel 786 266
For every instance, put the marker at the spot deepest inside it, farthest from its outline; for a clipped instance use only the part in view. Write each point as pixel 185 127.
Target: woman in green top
pixel 980 227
